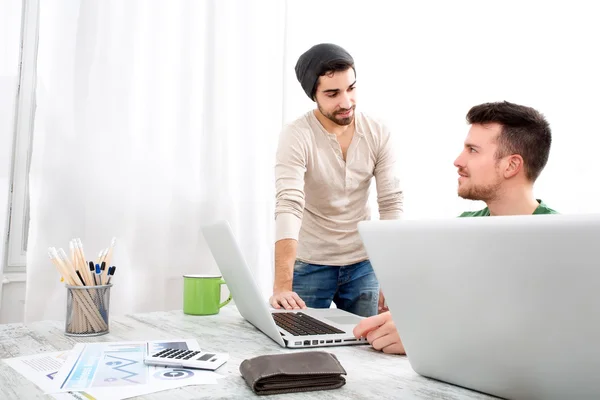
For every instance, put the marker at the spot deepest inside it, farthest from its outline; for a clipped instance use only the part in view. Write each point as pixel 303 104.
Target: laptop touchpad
pixel 344 319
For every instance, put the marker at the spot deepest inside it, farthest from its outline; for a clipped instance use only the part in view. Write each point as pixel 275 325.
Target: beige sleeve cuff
pixel 287 226
pixel 391 215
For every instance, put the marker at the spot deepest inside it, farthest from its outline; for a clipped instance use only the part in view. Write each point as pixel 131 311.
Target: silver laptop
pixel 508 306
pixel 298 328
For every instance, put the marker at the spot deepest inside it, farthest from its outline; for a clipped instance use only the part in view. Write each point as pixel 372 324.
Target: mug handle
pixel 222 282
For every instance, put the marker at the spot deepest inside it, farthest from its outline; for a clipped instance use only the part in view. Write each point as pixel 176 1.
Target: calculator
pixel 179 358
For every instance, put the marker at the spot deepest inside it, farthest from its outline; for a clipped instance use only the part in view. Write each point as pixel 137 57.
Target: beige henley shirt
pixel 321 198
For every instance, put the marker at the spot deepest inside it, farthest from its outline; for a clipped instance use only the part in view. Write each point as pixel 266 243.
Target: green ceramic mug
pixel 202 294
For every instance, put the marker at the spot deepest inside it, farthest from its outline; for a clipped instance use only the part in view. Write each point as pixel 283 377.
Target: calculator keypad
pixel 177 354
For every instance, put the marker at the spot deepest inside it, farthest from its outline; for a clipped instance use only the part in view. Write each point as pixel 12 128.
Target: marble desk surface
pixel 371 374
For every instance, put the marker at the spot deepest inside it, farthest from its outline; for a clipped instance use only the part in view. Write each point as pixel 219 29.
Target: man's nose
pixel 458 163
pixel 346 101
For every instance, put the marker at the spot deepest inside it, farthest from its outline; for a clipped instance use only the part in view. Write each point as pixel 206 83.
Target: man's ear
pixel 514 166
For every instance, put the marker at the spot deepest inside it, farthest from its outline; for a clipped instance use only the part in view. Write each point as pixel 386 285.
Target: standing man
pixel 505 151
pixel 324 165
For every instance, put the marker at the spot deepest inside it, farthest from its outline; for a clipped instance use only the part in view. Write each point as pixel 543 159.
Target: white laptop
pixel 298 328
pixel 508 306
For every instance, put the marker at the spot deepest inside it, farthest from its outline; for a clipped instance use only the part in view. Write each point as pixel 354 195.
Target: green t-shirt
pixel 541 209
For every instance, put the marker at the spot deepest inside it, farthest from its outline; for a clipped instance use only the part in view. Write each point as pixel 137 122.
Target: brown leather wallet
pixel 303 371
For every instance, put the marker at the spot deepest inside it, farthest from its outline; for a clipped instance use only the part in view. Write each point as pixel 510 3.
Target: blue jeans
pixel 353 288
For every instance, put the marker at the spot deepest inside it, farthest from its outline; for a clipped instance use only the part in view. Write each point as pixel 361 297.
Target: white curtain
pixel 154 118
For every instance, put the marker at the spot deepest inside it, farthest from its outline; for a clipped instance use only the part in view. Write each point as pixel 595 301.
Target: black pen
pixel 102 269
pixel 93 270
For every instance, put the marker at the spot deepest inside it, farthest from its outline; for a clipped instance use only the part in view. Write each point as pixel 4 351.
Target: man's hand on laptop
pixel 286 299
pixel 381 333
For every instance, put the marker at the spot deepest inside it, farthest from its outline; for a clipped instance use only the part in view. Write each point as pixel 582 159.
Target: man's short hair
pixel 525 131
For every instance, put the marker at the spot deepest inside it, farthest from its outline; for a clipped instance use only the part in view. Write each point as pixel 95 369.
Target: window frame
pixel 18 211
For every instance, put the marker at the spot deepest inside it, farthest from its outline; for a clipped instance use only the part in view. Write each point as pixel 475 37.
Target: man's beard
pixel 479 192
pixel 336 120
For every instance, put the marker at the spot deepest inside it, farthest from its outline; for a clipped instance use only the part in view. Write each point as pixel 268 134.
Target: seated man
pixel 506 149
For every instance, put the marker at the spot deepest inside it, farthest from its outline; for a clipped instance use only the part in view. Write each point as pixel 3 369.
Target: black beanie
pixel 313 62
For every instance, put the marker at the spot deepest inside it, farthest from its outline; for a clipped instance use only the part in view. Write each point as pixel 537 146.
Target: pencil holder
pixel 87 310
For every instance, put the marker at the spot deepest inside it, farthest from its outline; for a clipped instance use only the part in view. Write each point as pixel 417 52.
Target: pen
pixel 98 272
pixel 111 272
pixel 92 269
pixel 102 269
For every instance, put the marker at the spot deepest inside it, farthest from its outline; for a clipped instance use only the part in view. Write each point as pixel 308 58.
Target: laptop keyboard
pixel 300 324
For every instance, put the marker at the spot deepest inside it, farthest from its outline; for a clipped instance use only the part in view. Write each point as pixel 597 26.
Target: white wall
pixel 8 87
pixel 13 303
pixel 422 64
pixel 12 295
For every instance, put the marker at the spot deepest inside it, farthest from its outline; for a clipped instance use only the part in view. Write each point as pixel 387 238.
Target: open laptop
pixel 504 305
pixel 294 329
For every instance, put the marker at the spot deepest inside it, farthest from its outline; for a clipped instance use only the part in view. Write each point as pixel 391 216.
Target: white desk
pixel 371 374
